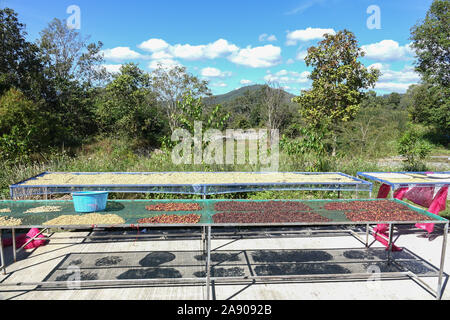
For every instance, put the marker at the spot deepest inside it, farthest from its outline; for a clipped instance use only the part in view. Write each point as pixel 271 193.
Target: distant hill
pixel 227 97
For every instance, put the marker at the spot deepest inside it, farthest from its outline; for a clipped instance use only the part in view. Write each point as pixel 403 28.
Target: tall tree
pixel 171 85
pixel 73 67
pixel 68 55
pixel 431 41
pixel 20 66
pixel 273 99
pixel 338 80
pixel 129 108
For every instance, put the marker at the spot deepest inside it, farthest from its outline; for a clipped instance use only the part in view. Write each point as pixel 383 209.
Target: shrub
pixel 415 149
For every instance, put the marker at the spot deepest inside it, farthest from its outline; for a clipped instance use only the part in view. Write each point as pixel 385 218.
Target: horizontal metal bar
pixel 202 280
pixel 294 224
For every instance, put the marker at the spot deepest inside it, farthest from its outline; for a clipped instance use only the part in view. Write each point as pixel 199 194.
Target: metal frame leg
pixel 367 235
pixel 208 265
pixel 14 244
pixel 439 291
pixel 391 233
pixel 3 265
pixel 204 240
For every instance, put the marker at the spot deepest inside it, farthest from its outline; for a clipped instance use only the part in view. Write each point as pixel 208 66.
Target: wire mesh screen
pixel 409 179
pixel 197 183
pixel 147 213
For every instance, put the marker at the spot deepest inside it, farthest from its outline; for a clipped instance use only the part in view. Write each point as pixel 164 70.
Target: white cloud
pixel 304 6
pixel 246 82
pixel 307 34
pixel 266 37
pixel 290 61
pixel 154 45
pixel 388 50
pixel 220 84
pixel 220 48
pixel 188 52
pixel 161 55
pixel 161 49
pixel 406 75
pixel 120 54
pixel 301 55
pixel 165 63
pixel 285 76
pixel 214 73
pixel 395 81
pixel 258 57
pixel 393 86
pixel 113 68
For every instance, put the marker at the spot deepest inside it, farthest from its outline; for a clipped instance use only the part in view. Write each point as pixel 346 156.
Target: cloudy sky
pixel 237 43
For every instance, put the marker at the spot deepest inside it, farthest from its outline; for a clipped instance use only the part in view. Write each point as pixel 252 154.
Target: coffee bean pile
pixel 382 205
pixel 44 209
pixel 87 219
pixel 174 207
pixel 268 216
pixel 261 206
pixel 9 222
pixel 172 219
pixel 391 215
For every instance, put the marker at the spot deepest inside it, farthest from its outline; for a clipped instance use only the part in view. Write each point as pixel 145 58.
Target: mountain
pixel 227 97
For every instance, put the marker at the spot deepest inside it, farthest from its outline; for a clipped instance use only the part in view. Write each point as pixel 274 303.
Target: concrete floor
pixel 125 259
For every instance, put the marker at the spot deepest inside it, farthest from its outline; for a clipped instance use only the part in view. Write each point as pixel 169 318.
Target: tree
pixel 192 109
pixel 338 80
pixel 429 106
pixel 129 107
pixel 68 56
pixel 273 97
pixel 414 149
pixel 171 85
pixel 20 66
pixel 72 66
pixel 23 128
pixel 431 41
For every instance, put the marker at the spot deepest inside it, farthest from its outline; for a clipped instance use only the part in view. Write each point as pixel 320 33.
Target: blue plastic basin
pixel 92 201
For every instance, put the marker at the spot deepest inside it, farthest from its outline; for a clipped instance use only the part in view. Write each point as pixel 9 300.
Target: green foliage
pixel 20 66
pixel 23 128
pixel 171 85
pixel 430 105
pixel 415 149
pixel 431 41
pixel 191 110
pixel 309 147
pixel 128 107
pixel 338 78
pixel 373 132
pixel 68 56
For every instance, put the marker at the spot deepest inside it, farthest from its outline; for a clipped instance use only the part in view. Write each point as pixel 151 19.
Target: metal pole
pixel 441 268
pixel 3 266
pixel 204 230
pixel 21 248
pixel 203 240
pixel 391 232
pixel 14 244
pixel 367 235
pixel 208 265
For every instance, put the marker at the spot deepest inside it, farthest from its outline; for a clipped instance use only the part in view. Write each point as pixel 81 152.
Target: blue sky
pixel 236 43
